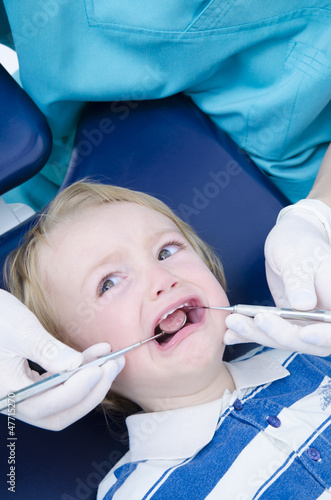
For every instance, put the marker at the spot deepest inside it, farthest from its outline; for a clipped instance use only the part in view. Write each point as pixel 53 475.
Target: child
pixel 107 264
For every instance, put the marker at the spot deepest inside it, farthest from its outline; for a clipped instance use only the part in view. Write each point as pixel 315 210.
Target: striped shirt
pixel 269 439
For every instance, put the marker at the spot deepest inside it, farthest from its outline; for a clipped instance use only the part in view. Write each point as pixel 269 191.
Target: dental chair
pixel 169 149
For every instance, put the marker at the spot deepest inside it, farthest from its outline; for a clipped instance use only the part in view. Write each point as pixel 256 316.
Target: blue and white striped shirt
pixel 270 439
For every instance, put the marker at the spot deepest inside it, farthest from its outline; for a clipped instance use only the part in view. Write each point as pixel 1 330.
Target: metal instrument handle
pixel 317 315
pixel 59 378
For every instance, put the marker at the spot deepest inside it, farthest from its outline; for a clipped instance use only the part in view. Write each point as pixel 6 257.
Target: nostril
pixel 175 283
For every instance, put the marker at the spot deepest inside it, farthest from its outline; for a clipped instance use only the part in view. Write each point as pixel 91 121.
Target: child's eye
pixel 107 283
pixel 169 249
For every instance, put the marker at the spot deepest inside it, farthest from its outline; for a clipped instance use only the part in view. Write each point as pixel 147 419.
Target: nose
pixel 161 281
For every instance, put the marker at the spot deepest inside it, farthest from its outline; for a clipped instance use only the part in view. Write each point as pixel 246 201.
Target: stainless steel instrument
pixel 59 378
pixel 247 310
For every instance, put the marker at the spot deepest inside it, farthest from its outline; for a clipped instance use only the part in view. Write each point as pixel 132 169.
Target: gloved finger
pixel 95 397
pixel 272 331
pixel 243 329
pixel 319 335
pixel 15 374
pixel 299 281
pixel 22 335
pixel 51 354
pixel 276 286
pixel 295 249
pixel 288 335
pixel 90 354
pixel 95 351
pixel 322 285
pixel 231 337
pixel 65 404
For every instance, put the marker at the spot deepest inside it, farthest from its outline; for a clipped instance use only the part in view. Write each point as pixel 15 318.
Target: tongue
pixel 173 322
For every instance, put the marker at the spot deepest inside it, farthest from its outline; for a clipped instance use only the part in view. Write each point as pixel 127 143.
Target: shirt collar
pixel 178 434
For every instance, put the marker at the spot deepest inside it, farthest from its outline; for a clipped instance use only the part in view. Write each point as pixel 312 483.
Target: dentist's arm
pixel 22 337
pixel 321 189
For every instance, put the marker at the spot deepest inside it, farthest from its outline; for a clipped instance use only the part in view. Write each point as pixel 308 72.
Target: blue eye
pixel 169 249
pixel 107 283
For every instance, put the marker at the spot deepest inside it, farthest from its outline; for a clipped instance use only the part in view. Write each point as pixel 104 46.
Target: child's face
pixel 112 273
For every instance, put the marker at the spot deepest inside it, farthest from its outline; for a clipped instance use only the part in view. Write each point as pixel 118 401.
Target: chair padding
pixel 25 138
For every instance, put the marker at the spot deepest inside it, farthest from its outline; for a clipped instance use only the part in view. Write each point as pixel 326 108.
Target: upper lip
pixel 191 300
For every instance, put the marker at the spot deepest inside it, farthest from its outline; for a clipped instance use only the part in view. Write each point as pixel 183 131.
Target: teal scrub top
pixel 260 69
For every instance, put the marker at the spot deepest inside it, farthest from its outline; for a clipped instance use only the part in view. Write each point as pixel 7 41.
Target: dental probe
pixel 247 310
pixel 59 378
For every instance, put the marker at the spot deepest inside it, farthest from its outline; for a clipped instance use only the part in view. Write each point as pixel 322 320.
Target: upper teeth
pixel 173 310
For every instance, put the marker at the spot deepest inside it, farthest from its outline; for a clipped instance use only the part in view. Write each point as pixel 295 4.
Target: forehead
pixel 121 220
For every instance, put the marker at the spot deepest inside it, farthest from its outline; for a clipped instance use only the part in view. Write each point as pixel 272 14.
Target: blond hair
pixel 22 270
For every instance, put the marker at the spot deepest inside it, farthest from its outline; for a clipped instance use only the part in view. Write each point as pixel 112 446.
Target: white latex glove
pixel 298 266
pixel 298 256
pixel 272 331
pixel 22 337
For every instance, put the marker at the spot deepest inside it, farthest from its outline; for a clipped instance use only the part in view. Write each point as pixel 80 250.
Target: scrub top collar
pixel 181 433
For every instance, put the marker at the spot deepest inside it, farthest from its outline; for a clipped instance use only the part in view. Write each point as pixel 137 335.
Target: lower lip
pixel 179 336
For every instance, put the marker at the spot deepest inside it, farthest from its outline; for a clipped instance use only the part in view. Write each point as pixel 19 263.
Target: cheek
pixel 136 378
pixel 216 292
pixel 206 278
pixel 86 325
pixel 99 322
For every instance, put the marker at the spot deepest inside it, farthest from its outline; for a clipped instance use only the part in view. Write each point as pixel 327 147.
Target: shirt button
pixel 238 405
pixel 313 454
pixel 273 421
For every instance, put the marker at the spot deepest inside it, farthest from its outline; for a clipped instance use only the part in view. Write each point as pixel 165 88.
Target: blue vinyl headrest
pixel 25 138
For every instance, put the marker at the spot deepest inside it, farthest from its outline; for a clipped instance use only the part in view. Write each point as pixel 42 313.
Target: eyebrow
pixel 156 236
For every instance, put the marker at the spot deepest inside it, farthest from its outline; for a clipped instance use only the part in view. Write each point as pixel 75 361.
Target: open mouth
pixel 174 317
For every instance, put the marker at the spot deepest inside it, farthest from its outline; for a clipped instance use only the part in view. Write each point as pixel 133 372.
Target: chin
pixel 200 355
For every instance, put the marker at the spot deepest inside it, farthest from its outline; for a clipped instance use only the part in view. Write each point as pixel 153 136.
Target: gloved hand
pixel 298 266
pixel 272 331
pixel 22 337
pixel 298 256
